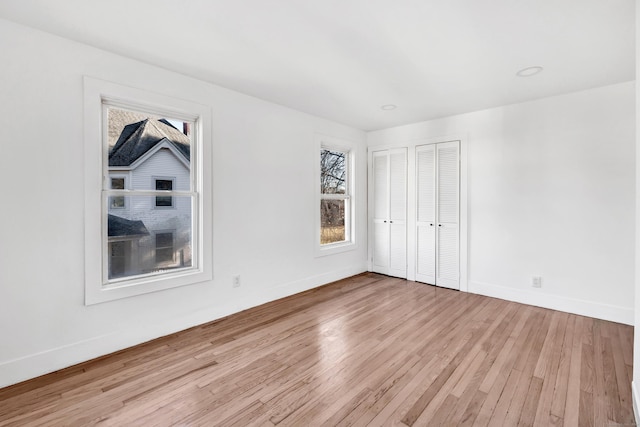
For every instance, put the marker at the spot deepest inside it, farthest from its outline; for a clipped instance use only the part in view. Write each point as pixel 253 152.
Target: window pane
pixel 145 240
pixel 164 184
pixel 118 251
pixel 164 240
pixel 164 255
pixel 143 236
pixel 117 202
pixel 164 201
pixel 332 225
pixel 164 247
pixel 117 183
pixel 333 172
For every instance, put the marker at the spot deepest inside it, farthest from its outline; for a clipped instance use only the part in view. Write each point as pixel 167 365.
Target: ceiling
pixel 344 59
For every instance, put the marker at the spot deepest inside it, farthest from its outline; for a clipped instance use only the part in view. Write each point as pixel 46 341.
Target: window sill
pixel 125 288
pixel 335 248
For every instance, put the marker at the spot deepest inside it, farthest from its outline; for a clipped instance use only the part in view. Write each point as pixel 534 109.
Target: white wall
pixel 551 193
pixel 264 208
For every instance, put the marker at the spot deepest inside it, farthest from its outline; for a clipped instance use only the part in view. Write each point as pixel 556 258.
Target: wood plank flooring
pixel 368 350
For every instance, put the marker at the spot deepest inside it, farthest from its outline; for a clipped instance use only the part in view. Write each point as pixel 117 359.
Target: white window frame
pixel 324 142
pixel 97 92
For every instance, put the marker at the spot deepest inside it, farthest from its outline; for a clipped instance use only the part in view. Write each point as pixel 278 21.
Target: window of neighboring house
pixel 164 248
pixel 336 214
pixel 117 263
pixel 117 202
pixel 141 136
pixel 164 185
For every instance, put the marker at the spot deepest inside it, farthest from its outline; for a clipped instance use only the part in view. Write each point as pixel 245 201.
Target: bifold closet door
pixel 380 212
pixel 426 214
pixel 448 201
pixel 437 221
pixel 398 213
pixel 390 212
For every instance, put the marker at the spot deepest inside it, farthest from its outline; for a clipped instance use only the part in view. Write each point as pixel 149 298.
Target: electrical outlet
pixel 236 281
pixel 536 281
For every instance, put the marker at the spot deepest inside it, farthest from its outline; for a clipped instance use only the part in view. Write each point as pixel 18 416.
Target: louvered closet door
pixel 447 245
pixel 380 262
pixel 389 246
pixel 398 213
pixel 426 214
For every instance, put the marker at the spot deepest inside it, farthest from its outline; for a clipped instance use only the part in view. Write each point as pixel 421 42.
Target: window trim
pixel 324 142
pixel 153 101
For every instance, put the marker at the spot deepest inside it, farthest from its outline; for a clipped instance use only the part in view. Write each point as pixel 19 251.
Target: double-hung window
pixel 149 208
pixel 164 247
pixel 336 198
pixel 164 185
pixel 117 183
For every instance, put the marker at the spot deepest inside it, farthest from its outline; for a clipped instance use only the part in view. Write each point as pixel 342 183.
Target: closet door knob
pixel 439 225
pixel 430 225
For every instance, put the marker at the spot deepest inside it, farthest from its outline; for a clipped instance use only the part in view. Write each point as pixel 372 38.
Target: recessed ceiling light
pixel 389 107
pixel 529 71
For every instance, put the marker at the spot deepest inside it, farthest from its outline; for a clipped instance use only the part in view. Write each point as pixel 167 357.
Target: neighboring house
pixel 148 233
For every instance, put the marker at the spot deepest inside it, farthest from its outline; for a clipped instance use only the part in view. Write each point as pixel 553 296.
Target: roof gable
pixel 162 144
pixel 138 138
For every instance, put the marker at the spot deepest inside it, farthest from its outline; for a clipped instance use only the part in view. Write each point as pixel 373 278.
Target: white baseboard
pixel 34 365
pixel 570 305
pixel 636 403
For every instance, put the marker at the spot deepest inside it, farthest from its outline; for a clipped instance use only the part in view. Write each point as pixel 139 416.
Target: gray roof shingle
pixel 138 138
pixel 122 227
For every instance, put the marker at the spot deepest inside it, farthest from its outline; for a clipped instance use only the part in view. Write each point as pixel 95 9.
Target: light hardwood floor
pixel 369 350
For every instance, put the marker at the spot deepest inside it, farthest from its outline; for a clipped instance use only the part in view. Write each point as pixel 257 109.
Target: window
pixel 139 142
pixel 117 202
pixel 164 185
pixel 335 216
pixel 164 248
pixel 135 134
pixel 334 200
pixel 117 252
